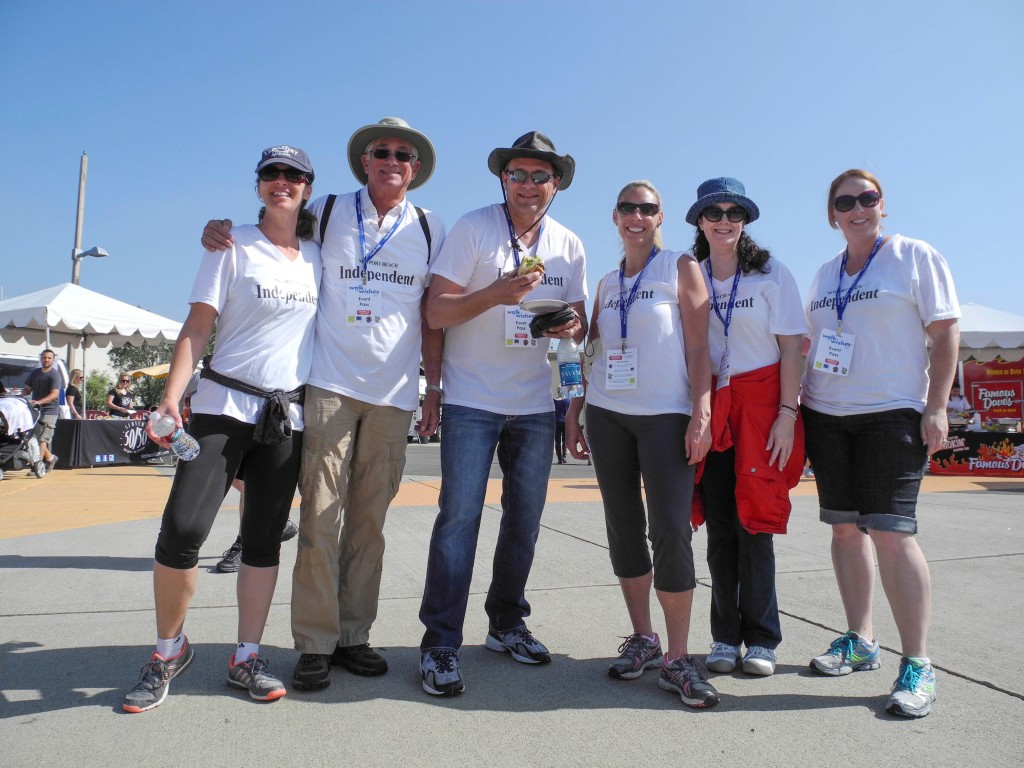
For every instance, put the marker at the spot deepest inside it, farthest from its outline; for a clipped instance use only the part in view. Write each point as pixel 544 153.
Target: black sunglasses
pixel 400 156
pixel 736 214
pixel 538 177
pixel 272 172
pixel 868 199
pixel 646 209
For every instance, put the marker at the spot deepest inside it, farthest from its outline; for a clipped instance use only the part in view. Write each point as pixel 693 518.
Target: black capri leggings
pixel 227 449
pixel 654 447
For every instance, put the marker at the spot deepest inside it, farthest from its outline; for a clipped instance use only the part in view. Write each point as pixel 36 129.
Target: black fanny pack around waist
pixel 273 426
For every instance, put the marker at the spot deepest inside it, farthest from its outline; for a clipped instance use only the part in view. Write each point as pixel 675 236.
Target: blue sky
pixel 174 102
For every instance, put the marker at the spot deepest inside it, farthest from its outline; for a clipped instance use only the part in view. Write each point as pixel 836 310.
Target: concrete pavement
pixel 76 624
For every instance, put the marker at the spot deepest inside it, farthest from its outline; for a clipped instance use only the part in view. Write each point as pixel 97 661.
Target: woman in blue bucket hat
pixel 754 334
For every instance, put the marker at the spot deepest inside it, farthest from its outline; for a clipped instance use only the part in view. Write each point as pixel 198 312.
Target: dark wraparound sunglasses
pixel 538 177
pixel 646 209
pixel 400 156
pixel 736 214
pixel 868 199
pixel 272 172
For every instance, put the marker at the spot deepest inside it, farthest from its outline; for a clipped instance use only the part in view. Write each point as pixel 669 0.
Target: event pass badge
pixel 364 305
pixel 620 368
pixel 834 352
pixel 517 329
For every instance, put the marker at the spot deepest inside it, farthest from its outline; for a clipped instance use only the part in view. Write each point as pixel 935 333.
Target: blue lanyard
pixel 513 240
pixel 626 302
pixel 727 320
pixel 842 301
pixel 362 233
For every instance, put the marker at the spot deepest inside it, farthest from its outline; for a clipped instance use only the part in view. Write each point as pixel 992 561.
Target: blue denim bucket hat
pixel 722 190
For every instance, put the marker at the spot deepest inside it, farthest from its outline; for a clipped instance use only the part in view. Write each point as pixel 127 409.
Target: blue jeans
pixel 471 437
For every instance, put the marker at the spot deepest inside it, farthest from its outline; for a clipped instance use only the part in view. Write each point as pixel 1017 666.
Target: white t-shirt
pixel 957 404
pixel 479 370
pixel 906 287
pixel 266 313
pixel 654 328
pixel 767 305
pixel 377 362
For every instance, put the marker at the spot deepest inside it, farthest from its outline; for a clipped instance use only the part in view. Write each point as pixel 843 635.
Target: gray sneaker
pixel 252 675
pixel 683 676
pixel 723 657
pixel 848 653
pixel 759 661
pixel 636 655
pixel 524 647
pixel 155 681
pixel 914 690
pixel 439 668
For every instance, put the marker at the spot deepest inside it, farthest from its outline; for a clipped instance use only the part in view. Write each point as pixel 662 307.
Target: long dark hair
pixel 752 256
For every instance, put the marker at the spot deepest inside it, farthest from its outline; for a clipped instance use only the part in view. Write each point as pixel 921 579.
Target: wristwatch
pixel 435 388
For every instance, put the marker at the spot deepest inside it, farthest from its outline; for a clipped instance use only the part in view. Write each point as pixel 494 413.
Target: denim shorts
pixel 868 467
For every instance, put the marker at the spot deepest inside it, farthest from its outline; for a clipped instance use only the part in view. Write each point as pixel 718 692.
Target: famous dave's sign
pixel 996 391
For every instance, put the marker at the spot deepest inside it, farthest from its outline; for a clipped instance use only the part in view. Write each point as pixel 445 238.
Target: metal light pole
pixel 77 254
pixel 80 218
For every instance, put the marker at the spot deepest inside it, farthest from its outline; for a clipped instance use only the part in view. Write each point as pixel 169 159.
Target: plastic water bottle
pixel 183 445
pixel 570 373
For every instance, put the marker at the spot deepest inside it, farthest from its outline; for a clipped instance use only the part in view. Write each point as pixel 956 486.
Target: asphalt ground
pixel 76 624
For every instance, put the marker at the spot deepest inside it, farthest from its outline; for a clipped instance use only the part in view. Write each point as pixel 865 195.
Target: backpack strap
pixel 422 216
pixel 326 215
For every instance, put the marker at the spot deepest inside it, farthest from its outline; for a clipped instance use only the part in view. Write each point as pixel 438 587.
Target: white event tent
pixel 986 333
pixel 69 314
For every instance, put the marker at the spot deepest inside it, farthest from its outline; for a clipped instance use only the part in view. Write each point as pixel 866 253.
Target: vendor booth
pixel 106 442
pixel 987 440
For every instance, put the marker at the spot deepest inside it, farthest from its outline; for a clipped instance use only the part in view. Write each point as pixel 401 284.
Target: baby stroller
pixel 19 444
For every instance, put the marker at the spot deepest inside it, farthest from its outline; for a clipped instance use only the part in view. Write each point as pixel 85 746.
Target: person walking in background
pixel 755 331
pixel 883 349
pixel 43 390
pixel 561 408
pixel 262 295
pixel 648 413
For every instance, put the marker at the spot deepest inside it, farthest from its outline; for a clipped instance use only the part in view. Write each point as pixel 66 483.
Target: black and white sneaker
pixel 523 646
pixel 439 668
pixel 232 558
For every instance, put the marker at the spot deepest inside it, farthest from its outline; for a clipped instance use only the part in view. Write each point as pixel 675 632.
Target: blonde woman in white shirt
pixel 648 417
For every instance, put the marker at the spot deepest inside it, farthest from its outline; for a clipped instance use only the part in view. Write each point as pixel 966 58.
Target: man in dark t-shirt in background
pixel 43 389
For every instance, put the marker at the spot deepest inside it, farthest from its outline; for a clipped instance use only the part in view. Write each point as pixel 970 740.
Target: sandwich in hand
pixel 531 264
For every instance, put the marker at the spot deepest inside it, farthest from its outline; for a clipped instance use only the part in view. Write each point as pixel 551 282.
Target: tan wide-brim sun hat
pixel 391 128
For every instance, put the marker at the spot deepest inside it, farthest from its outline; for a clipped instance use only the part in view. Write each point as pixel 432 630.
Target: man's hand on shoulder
pixel 217 235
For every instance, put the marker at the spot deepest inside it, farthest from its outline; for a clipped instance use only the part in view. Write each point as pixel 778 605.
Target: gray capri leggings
pixel 270 472
pixel 627 448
